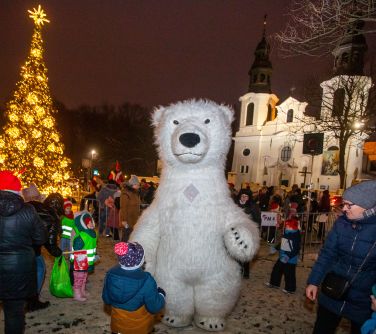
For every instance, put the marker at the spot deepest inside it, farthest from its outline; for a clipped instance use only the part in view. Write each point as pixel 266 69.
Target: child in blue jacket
pixel 288 256
pixel 369 327
pixel 132 292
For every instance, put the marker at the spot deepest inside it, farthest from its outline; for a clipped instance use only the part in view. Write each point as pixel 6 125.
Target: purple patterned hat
pixel 130 255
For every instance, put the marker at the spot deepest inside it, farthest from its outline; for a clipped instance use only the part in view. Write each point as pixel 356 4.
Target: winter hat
pixel 292 224
pixel 294 205
pixel 292 212
pixel 83 219
pixel 133 181
pixel 130 255
pixel 362 194
pixel 9 182
pixel 67 203
pixel 31 193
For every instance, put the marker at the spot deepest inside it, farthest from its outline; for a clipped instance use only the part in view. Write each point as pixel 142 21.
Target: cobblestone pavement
pixel 259 309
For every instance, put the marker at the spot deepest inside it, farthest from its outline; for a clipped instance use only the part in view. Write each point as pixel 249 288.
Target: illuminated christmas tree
pixel 30 140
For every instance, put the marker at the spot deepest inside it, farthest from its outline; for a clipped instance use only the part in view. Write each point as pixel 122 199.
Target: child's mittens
pixel 284 259
pixel 161 291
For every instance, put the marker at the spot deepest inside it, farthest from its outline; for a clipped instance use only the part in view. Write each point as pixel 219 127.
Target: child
pixel 85 240
pixel 67 225
pixel 369 327
pixel 288 256
pixel 132 292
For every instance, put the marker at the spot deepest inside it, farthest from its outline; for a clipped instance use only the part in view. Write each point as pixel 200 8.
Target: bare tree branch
pixel 315 27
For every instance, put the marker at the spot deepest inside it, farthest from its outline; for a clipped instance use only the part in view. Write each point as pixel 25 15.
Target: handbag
pixel 60 285
pixel 336 286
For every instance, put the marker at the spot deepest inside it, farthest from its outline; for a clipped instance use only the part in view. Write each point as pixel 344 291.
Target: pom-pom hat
pixel 67 203
pixel 9 182
pixel 130 255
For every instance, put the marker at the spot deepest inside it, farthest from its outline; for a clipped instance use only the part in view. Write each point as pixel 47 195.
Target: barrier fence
pixel 313 226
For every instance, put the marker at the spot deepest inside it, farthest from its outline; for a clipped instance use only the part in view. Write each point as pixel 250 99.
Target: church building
pixel 277 144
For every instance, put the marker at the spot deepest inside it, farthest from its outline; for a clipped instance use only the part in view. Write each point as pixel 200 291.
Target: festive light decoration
pixel 30 139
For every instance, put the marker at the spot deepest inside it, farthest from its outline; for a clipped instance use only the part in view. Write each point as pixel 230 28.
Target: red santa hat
pixel 10 182
pixel 67 203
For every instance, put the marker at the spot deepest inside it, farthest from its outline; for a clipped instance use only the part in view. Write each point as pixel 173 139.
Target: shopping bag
pixel 60 285
pixel 80 260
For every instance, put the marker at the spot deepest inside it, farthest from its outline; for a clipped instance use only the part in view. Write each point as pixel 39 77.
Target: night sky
pixel 148 52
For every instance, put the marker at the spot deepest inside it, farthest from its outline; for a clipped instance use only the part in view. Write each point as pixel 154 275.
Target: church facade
pixel 277 144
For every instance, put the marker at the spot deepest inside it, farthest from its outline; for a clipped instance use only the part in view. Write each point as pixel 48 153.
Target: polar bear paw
pixel 211 324
pixel 239 243
pixel 176 320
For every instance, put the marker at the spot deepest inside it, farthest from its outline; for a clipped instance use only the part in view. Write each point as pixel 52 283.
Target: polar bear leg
pixel 214 300
pixel 179 304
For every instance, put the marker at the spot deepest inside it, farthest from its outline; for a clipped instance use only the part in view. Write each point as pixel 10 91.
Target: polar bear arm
pixel 241 236
pixel 147 233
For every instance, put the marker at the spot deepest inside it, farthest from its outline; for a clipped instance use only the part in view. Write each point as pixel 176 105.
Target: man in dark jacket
pixel 49 212
pixel 20 229
pixel 349 252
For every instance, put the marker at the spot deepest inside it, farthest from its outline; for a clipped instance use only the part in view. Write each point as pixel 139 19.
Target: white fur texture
pixel 193 233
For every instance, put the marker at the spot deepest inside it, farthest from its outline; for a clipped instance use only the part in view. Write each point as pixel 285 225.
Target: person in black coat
pixel 20 230
pixel 49 212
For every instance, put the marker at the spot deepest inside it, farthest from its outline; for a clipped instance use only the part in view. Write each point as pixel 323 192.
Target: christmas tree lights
pixel 30 140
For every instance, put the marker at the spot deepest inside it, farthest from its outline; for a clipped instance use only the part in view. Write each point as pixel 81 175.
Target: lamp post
pixel 93 153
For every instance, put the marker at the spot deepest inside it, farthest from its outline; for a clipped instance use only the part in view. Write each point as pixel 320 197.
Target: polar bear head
pixel 193 132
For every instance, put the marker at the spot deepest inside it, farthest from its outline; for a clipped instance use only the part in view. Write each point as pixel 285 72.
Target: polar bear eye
pixel 175 122
pixel 207 121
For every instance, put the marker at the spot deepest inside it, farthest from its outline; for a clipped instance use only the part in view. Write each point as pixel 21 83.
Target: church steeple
pixel 349 54
pixel 261 70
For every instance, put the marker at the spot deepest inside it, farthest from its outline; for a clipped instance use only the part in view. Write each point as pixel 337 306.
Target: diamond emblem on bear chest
pixel 191 192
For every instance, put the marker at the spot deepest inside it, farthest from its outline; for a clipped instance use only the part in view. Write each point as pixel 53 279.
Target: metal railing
pixel 314 228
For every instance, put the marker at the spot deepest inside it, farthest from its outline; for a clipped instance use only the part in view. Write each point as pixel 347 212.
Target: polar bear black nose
pixel 189 139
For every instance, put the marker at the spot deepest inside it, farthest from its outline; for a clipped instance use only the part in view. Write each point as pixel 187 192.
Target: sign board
pixel 269 218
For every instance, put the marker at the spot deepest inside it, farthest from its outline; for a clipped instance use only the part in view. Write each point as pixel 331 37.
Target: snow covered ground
pixel 259 309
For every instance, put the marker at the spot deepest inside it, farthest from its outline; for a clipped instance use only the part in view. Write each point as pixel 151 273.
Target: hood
pixel 10 203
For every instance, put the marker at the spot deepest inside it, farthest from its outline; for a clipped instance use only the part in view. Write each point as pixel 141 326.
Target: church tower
pixel 261 70
pixel 258 107
pixel 349 54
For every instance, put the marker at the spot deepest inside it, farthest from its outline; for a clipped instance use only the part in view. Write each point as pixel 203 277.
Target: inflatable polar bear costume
pixel 193 233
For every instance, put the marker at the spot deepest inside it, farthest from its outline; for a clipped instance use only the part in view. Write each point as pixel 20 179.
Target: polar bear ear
pixel 227 112
pixel 157 116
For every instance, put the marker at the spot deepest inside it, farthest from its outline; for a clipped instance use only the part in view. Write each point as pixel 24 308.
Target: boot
pixel 34 304
pixel 78 282
pixel 84 292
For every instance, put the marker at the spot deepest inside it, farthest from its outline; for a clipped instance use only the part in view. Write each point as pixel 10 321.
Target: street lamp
pixel 93 153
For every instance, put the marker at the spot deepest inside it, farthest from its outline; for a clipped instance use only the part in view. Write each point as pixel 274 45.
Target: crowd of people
pixel 342 278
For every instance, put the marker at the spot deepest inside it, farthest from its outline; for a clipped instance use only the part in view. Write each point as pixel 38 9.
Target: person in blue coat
pixel 349 252
pixel 132 293
pixel 369 327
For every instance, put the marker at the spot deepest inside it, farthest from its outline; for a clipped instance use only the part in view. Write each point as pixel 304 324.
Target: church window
pixel 269 116
pixel 250 112
pixel 338 102
pixel 286 153
pixel 244 169
pixel 246 152
pixel 290 116
pixel 262 77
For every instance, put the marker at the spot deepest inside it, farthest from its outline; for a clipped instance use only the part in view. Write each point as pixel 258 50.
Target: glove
pixel 161 291
pixel 284 259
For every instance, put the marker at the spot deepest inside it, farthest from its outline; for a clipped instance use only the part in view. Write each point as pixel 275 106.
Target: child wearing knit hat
pixel 67 225
pixel 132 293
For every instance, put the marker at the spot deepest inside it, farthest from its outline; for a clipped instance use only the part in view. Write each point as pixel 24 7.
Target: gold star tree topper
pixel 38 15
